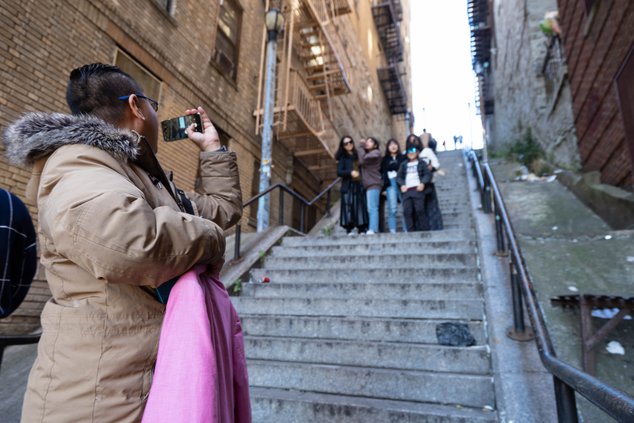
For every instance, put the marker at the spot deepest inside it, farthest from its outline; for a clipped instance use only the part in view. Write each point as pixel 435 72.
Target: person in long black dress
pixel 354 212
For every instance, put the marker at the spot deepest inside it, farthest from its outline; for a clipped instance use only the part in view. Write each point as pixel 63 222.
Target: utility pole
pixel 274 21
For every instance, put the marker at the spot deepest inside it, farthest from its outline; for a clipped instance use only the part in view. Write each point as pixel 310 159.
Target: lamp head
pixel 273 20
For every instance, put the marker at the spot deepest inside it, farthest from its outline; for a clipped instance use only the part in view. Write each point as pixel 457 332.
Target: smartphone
pixel 174 129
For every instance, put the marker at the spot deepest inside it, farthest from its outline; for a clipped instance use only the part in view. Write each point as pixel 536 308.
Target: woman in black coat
pixel 354 213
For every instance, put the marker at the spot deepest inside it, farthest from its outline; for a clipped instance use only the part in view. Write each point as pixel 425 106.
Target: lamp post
pixel 274 21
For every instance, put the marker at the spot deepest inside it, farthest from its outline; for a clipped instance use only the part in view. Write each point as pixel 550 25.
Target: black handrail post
pixel 566 402
pixel 328 204
pixel 281 207
pixel 518 332
pixel 499 231
pixel 301 217
pixel 236 247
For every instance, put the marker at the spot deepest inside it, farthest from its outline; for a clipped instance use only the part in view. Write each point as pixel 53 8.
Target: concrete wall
pixel 597 43
pixel 524 97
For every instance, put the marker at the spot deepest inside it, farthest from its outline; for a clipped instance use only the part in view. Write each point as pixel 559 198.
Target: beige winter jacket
pixel 110 230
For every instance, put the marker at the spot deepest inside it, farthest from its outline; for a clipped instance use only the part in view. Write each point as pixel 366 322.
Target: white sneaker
pixel 392 231
pixel 350 233
pixel 370 232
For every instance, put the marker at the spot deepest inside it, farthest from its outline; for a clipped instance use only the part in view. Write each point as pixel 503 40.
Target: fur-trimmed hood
pixel 37 135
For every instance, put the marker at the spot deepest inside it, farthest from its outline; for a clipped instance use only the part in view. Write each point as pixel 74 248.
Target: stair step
pixel 420 247
pixel 371 261
pixel 314 289
pixel 407 385
pixel 373 275
pixel 411 309
pixel 387 355
pixel 435 236
pixel 351 328
pixel 290 406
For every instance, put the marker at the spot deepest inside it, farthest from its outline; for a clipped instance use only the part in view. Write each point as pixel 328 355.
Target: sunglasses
pixel 412 150
pixel 347 142
pixel 153 103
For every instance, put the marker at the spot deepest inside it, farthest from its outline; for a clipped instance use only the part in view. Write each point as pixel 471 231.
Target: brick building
pixel 210 53
pixel 599 44
pixel 574 90
pixel 522 78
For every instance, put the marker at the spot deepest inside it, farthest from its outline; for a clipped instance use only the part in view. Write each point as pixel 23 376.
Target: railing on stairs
pixel 567 379
pixel 302 201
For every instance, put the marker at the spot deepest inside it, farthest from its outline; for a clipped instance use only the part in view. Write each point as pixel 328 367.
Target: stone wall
pixel 524 96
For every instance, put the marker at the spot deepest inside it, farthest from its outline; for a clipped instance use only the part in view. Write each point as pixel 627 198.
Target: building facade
pixel 599 43
pixel 210 53
pixel 522 78
pixel 571 84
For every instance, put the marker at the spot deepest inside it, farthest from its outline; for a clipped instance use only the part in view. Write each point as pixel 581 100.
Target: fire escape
pixel 387 16
pixel 309 74
pixel 480 23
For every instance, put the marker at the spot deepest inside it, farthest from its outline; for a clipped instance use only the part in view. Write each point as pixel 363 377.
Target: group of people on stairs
pixel 370 180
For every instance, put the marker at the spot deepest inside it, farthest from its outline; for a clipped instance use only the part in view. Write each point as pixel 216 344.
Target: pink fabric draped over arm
pixel 200 374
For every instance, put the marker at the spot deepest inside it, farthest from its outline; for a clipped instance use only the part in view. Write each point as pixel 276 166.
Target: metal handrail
pixel 567 379
pixel 303 203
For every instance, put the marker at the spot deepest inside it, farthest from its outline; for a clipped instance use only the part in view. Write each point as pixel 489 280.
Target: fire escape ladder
pixel 479 21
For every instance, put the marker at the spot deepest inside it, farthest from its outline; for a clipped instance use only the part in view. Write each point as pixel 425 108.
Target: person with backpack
pixel 18 255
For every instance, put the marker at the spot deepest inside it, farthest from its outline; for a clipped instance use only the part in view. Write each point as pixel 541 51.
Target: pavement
pixel 568 250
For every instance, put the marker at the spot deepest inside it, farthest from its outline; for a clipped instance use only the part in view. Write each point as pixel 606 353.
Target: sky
pixel 443 83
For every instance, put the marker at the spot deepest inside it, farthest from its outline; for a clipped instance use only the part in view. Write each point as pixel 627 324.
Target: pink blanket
pixel 201 373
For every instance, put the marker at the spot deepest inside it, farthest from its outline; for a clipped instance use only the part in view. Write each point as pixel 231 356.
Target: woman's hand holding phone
pixel 208 140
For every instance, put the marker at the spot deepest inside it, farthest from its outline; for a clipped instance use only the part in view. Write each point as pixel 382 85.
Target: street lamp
pixel 274 21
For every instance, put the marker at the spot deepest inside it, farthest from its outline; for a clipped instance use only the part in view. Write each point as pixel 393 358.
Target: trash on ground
pixel 555 228
pixel 551 178
pixel 605 313
pixel 630 259
pixel 608 237
pixel 615 347
pixel 573 289
pixel 454 335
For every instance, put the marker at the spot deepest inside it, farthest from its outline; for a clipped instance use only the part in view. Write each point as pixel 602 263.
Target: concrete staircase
pixel 346 329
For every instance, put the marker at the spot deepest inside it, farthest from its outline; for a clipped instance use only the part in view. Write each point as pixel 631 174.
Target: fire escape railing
pixel 567 379
pixel 387 15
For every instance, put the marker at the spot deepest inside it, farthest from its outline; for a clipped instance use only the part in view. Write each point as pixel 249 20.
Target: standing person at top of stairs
pixel 413 177
pixel 370 164
pixel 354 212
pixel 389 168
pixel 433 217
pixel 432 209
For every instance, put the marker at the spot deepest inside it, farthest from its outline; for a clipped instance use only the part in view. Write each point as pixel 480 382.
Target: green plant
pixel 236 288
pixel 327 231
pixel 526 150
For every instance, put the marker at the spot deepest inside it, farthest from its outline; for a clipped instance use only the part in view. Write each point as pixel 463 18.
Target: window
pixel 165 5
pixel 589 4
pixel 228 37
pixel 150 85
pixel 625 89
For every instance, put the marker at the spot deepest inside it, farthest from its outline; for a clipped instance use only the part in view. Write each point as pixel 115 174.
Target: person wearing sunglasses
pixel 354 213
pixel 113 228
pixel 412 178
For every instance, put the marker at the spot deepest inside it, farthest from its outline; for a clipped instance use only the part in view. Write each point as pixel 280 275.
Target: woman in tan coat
pixel 112 228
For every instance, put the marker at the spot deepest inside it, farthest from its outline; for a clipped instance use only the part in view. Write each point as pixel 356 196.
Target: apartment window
pixel 166 5
pixel 225 54
pixel 150 85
